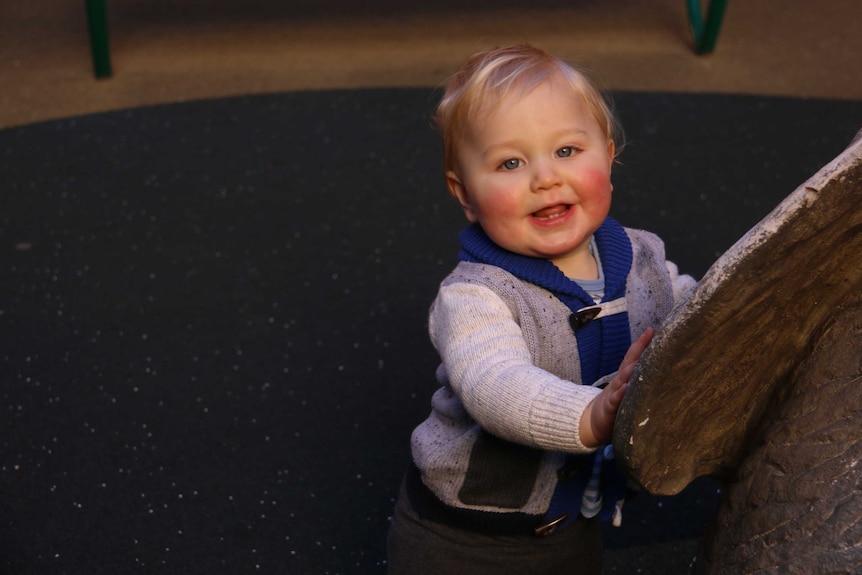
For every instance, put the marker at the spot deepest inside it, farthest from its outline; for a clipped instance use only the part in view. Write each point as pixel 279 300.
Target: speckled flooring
pixel 212 304
pixel 213 317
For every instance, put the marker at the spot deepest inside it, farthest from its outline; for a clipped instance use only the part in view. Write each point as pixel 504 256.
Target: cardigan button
pixel 584 316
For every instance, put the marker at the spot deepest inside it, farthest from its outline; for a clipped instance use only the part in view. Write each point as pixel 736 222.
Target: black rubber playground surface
pixel 213 317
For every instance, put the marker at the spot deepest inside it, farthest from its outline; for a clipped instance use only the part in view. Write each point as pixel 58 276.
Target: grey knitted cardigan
pixel 511 395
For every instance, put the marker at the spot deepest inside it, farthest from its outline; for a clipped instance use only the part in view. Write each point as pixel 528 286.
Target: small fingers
pixel 617 395
pixel 637 348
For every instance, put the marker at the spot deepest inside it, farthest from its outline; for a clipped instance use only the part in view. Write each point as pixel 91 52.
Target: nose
pixel 545 175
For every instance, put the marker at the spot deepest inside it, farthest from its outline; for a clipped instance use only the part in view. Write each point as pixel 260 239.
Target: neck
pixel 580 265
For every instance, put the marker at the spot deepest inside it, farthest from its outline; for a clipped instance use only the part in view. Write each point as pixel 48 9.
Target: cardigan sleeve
pixel 682 284
pixel 489 368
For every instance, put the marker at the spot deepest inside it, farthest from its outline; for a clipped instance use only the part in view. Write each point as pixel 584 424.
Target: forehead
pixel 550 101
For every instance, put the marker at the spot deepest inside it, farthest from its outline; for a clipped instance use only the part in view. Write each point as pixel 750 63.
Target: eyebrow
pixel 513 143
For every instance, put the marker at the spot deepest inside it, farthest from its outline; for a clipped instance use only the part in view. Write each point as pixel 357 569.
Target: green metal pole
pixel 97 19
pixel 705 34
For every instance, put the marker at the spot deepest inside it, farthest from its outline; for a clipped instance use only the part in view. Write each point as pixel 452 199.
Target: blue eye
pixel 566 152
pixel 510 164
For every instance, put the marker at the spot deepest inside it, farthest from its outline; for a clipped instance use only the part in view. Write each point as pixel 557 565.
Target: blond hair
pixel 488 76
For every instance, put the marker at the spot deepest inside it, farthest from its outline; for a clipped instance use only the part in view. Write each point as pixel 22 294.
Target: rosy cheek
pixel 596 180
pixel 499 199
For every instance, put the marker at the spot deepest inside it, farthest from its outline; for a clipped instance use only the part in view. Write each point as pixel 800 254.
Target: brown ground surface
pixel 175 50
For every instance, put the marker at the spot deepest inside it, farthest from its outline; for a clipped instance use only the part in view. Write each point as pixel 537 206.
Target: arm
pixel 682 284
pixel 490 369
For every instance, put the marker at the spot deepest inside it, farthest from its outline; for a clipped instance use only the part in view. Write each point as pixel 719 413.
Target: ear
pixel 459 192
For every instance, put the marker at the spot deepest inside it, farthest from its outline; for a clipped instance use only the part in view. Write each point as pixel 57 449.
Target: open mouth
pixel 552 212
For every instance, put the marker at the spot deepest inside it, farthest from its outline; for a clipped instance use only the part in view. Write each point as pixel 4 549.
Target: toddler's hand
pixel 597 423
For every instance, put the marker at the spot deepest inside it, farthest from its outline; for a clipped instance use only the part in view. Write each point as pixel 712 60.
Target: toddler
pixel 538 328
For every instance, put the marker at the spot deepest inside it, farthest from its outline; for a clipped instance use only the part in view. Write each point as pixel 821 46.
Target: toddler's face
pixel 535 172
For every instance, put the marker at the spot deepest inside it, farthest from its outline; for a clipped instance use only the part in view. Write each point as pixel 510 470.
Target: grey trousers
pixel 418 547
